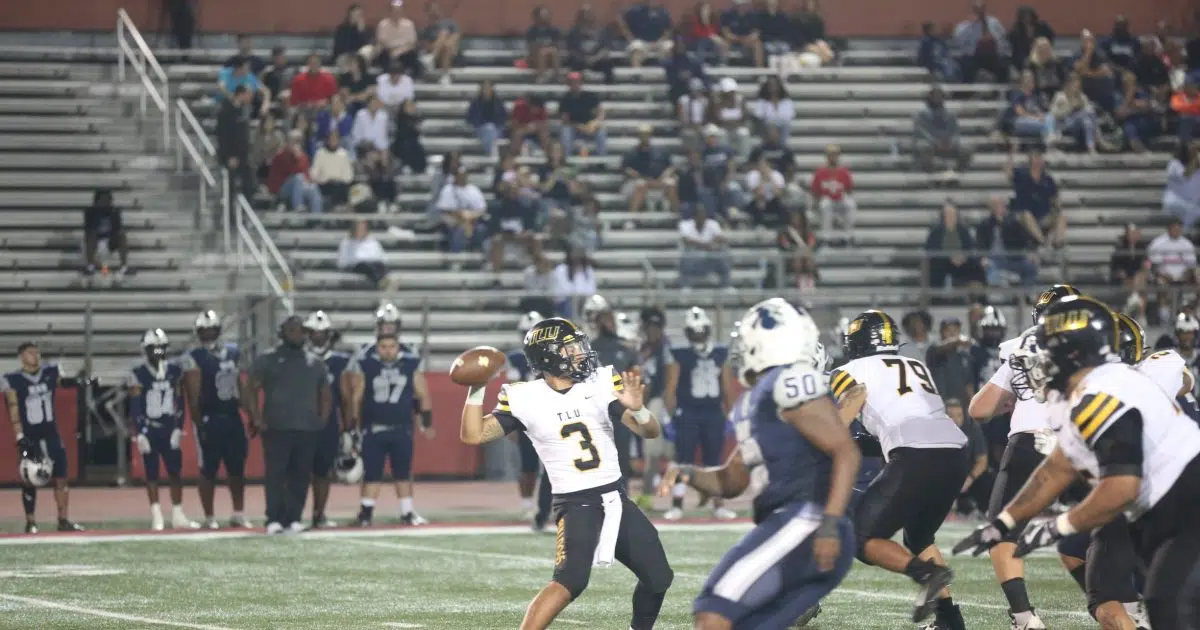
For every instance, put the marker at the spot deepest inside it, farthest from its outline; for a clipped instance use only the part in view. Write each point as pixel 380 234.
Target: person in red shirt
pixel 831 189
pixel 313 87
pixel 529 120
pixel 702 32
pixel 287 176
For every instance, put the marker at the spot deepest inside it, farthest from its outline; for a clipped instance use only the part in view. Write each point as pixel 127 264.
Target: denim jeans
pixel 695 265
pixel 298 191
pixel 457 241
pixel 1030 126
pixel 1081 121
pixel 1141 127
pixel 488 134
pixel 568 134
pixel 1005 264
pixel 784 127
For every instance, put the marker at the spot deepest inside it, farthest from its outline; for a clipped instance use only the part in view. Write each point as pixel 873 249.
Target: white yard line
pixel 95 612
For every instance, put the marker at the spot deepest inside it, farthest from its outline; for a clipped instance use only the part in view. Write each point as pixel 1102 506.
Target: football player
pixel 797 456
pixel 155 394
pixel 322 338
pixel 610 350
pixel 518 372
pixel 386 417
pixel 569 415
pixel 925 464
pixel 655 358
pixel 1021 457
pixel 211 382
pixel 1165 367
pixel 1186 329
pixel 694 401
pixel 1124 435
pixel 29 392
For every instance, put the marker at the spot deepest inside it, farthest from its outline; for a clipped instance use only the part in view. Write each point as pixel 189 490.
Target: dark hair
pixel 25 345
pixel 277 50
pixel 922 315
pixel 101 195
pixel 451 161
pixel 774 78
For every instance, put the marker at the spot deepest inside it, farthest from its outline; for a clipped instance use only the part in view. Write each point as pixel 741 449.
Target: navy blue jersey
pixel 34 396
pixel 654 362
pixel 699 388
pixel 336 363
pixel 388 387
pixel 219 377
pixel 518 370
pixel 155 395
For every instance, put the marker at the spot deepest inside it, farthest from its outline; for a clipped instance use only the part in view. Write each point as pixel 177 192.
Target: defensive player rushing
pixel 154 387
pixel 1118 430
pixel 694 403
pixel 29 393
pixel 211 381
pixel 322 338
pixel 925 463
pixel 797 456
pixel 518 372
pixel 569 415
pixel 1021 456
pixel 396 380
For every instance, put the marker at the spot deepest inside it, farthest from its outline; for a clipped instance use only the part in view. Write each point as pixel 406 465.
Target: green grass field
pixel 427 578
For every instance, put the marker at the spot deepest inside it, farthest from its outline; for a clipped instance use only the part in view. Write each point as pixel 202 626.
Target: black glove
pixel 983 538
pixel 27 448
pixel 1037 535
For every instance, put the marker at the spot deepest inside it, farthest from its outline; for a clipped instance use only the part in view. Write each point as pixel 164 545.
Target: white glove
pixel 176 437
pixel 1044 441
pixel 143 444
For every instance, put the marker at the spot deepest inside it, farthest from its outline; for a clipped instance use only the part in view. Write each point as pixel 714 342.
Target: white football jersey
pixel 1027 415
pixel 903 406
pixel 1168 370
pixel 1170 439
pixel 571 430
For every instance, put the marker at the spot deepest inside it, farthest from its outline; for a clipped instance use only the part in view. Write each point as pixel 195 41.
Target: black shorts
pixel 160 449
pixel 222 440
pixel 1111 565
pixel 1167 539
pixel 914 492
pixel 392 445
pixel 328 445
pixel 46 437
pixel 1016 466
pixel 529 457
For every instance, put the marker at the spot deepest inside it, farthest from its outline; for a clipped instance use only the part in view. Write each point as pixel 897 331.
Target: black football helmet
pixel 872 332
pixel 1050 296
pixel 1132 339
pixel 993 328
pixel 1075 332
pixel 558 347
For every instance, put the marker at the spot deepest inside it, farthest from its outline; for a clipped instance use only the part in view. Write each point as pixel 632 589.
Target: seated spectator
pixel 529 121
pixel 766 188
pixel 810 36
pixel 798 243
pixel 701 31
pixel 230 78
pixel 582 115
pixel 538 282
pixel 981 43
pixel 1035 200
pixel 950 248
pixel 1182 195
pixel 245 52
pixel 775 29
pixel 648 169
pixel 103 233
pixel 1029 113
pixel 703 250
pixel 1129 266
pixel 729 113
pixel 440 40
pixel 774 108
pixel 1121 47
pixel 781 158
pixel 277 78
pixel 372 128
pixel 394 88
pixel 406 139
pixel 588 46
pixel 693 189
pixel 691 110
pixel 574 279
pixel 462 205
pixel 1093 66
pixel 487 116
pixel 720 172
pixel 378 168
pixel 1006 247
pixel 396 39
pixel 933 54
pixel 1173 257
pixel 451 163
pixel 512 220
pixel 1073 114
pixel 356 84
pixel 739 27
pixel 1049 73
pixel 832 191
pixel 362 253
pixel 332 171
pixel 936 135
pixel 233 141
pixel 353 36
pixel 288 179
pixel 268 139
pixel 336 118
pixel 1186 104
pixel 543 40
pixel 1151 70
pixel 647 27
pixel 555 179
pixel 1026 31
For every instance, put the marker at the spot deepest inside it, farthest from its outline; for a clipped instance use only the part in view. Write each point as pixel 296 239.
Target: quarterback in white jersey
pixel 568 415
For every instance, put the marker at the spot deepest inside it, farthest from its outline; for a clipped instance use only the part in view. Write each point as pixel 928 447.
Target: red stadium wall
pixel 497 17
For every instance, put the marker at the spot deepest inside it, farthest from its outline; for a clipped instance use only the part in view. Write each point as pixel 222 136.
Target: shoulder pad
pixel 841 381
pixel 797 384
pixel 1094 412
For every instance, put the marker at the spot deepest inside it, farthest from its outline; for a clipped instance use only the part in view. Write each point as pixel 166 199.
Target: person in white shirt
pixel 1182 195
pixel 766 186
pixel 396 38
pixel 332 170
pixel 461 204
pixel 573 279
pixel 362 253
pixel 702 250
pixel 729 113
pixel 395 87
pixel 1173 255
pixel 774 108
pixel 371 126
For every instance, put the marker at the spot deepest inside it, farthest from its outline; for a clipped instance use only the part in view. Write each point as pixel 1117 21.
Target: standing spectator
pixel 1072 114
pixel 1035 200
pixel 810 34
pixel 1129 265
pixel 372 128
pixel 245 52
pixel 441 39
pixel 588 46
pixel 277 78
pixel 230 78
pixel 1006 246
pixel 1186 104
pixel 701 31
pixel 681 67
pixel 1029 112
pixel 362 253
pixel 766 187
pixel 587 231
pixel 798 242
pixel 103 233
pixel 574 278
pixel 352 35
pixel 981 43
pixel 396 37
pixel 233 141
pixel 739 27
pixel 950 248
pixel 933 54
pixel 693 189
pixel 1093 67
pixel 1121 47
pixel 936 135
pixel 332 170
pixel 1137 113
pixel 395 88
pixel 775 29
pixel 691 110
pixel 1151 69
pixel 647 169
pixel 462 205
pixel 513 220
pixel 336 119
pixel 543 40
pixel 1049 74
pixel 268 139
pixel 1173 257
pixel 529 121
pixel 1182 195
pixel 950 362
pixel 916 325
pixel 1026 31
pixel 647 27
pixel 720 170
pixel 582 115
pixel 288 176
pixel 703 250
pixel 378 168
pixel 487 116
pixel 356 84
pixel 832 191
pixel 774 107
pixel 729 113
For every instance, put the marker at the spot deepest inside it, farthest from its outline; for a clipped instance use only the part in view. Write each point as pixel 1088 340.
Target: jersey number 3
pixel 903 366
pixel 585 443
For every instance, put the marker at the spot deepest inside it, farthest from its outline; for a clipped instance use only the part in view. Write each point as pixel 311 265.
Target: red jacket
pixel 694 30
pixel 285 164
pixel 833 183
pixel 308 88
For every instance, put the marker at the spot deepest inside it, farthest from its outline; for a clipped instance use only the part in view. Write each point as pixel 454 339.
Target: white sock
pixel 679 490
pixel 365 502
pixel 155 510
pixel 237 516
pixel 526 504
pixel 177 512
pixel 406 505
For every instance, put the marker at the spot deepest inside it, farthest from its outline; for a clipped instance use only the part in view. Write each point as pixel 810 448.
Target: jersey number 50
pixel 585 443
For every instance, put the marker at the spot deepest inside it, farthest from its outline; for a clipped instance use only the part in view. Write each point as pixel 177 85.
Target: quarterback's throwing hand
pixel 983 538
pixel 633 393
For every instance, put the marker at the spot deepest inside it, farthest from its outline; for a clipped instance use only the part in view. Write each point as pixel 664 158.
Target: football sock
pixel 646 605
pixel 368 509
pixel 949 615
pixel 406 506
pixel 526 504
pixel 236 516
pixel 677 494
pixel 155 510
pixel 1079 574
pixel 29 499
pixel 919 569
pixel 1017 596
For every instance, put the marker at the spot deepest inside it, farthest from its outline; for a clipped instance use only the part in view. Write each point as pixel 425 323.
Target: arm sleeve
pixel 503 413
pixel 841 381
pixel 798 384
pixel 1119 449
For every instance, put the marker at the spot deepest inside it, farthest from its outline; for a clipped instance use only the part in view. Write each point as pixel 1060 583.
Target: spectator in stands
pixel 588 45
pixel 332 171
pixel 739 27
pixel 1129 265
pixel 798 243
pixel 1026 31
pixel 230 78
pixel 1006 246
pixel 555 178
pixel 352 35
pixel 950 248
pixel 336 118
pixel 1071 113
pixel 950 361
pixel 356 84
pixel 1186 105
pixel 268 139
pixel 1151 70
pixel 916 325
pixel 542 41
pixel 396 38
pixel 451 162
pixel 314 87
pixel 1182 195
pixel 1029 112
pixel 440 40
pixel 363 254
pixel 377 166
pixel 574 279
pixel 936 135
pixel 1049 73
pixel 981 43
pixel 703 250
pixel 538 282
pixel 103 233
pixel 775 29
pixel 406 139
pixel 1121 47
pixel 647 27
pixel 582 115
pixel 288 176
pixel 277 78
pixel 693 189
pixel 832 192
pixel 245 52
pixel 691 110
pixel 681 67
pixel 513 220
pixel 933 54
pixel 701 31
pixel 1173 257
pixel 233 141
pixel 766 187
pixel 810 35
pixel 1093 66
pixel 729 113
pixel 648 169
pixel 587 231
pixel 372 128
pixel 1035 200
pixel 394 88
pixel 529 121
pixel 462 207
pixel 487 116
pixel 720 171
pixel 781 158
pixel 774 107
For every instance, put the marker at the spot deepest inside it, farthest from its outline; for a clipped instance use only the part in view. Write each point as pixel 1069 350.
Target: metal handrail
pixel 142 60
pixel 187 127
pixel 245 215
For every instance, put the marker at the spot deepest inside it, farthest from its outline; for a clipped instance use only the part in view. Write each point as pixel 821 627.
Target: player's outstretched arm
pixel 819 422
pixel 631 393
pixel 726 481
pixel 475 427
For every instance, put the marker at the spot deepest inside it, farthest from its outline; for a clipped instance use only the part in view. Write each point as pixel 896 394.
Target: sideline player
pixel 518 372
pixel 1119 431
pixel 29 393
pixel 798 458
pixel 925 461
pixel 322 337
pixel 154 387
pixel 211 380
pixel 654 357
pixel 569 415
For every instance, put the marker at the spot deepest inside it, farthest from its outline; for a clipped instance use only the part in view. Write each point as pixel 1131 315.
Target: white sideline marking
pixel 44 603
pixel 570 621
pixel 398 624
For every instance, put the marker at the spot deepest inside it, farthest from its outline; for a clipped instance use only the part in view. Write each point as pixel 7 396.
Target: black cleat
pixel 65 525
pixel 31 528
pixel 936 580
pixel 363 519
pixel 808 616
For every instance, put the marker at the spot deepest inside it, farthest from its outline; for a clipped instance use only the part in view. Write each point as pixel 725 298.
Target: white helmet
pixel 154 347
pixel 319 321
pixel 528 321
pixel 698 328
pixel 821 358
pixel 154 337
pixel 208 328
pixel 627 328
pixel 35 472
pixel 594 308
pixel 1186 323
pixel 208 319
pixel 737 353
pixel 387 319
pixel 775 333
pixel 349 464
pixel 320 327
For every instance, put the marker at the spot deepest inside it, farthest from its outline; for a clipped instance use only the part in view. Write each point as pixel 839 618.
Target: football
pixel 475 367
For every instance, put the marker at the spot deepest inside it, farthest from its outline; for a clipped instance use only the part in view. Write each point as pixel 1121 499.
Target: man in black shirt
pixel 648 169
pixel 246 53
pixel 1122 47
pixel 588 46
pixel 542 40
pixel 233 140
pixel 102 225
pixel 1151 71
pixel 514 219
pixel 739 26
pixel 582 115
pixel 277 77
pixel 776 152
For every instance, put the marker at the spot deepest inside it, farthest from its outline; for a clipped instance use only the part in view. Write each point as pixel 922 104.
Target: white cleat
pixel 179 520
pixel 1032 622
pixel 156 520
pixel 296 528
pixel 240 522
pixel 723 514
pixel 274 528
pixel 412 518
pixel 211 523
pixel 1137 613
pixel 673 514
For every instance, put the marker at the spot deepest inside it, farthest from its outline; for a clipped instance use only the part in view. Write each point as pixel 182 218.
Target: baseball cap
pixel 728 84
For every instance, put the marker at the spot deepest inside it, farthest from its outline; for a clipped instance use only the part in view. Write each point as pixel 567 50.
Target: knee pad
pixel 1075 545
pixel 916 546
pixel 574 581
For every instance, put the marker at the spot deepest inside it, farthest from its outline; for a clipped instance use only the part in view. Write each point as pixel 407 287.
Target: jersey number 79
pixel 903 366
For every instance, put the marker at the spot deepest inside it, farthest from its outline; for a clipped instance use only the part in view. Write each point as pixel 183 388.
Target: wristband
pixel 426 418
pixel 20 436
pixel 828 527
pixel 642 415
pixel 1007 519
pixel 475 395
pixel 1063 524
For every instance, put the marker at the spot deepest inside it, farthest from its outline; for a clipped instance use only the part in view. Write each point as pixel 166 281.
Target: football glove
pixel 176 438
pixel 26 447
pixel 1045 441
pixel 143 444
pixel 983 538
pixel 1037 535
